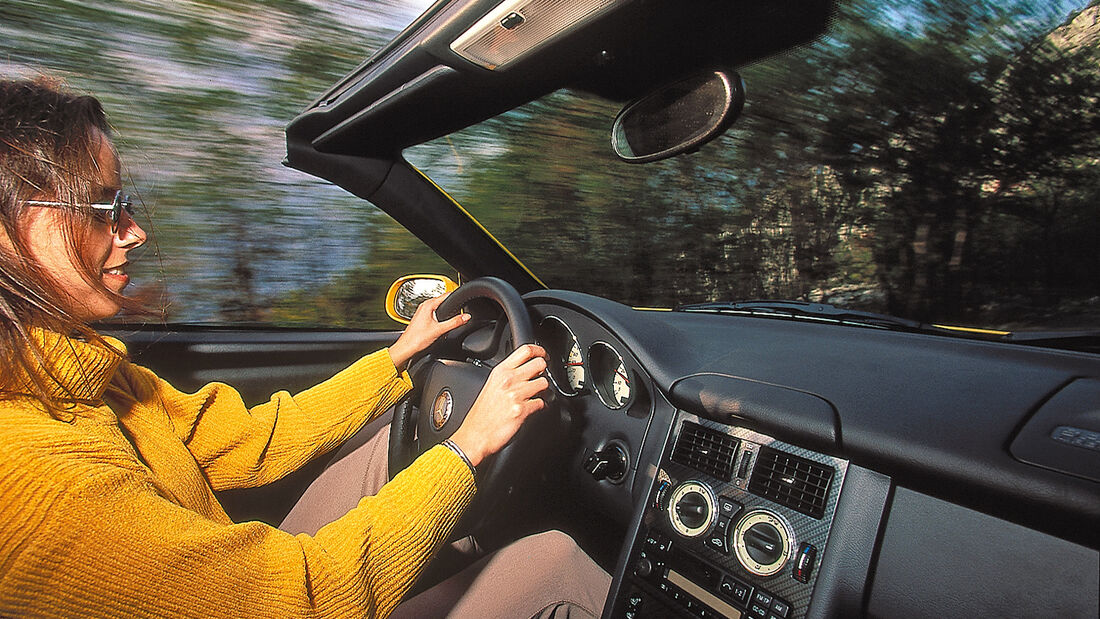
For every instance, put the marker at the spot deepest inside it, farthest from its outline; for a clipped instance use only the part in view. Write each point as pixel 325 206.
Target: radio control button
pixel 762 598
pixel 741 592
pixel 726 588
pixel 734 590
pixel 665 545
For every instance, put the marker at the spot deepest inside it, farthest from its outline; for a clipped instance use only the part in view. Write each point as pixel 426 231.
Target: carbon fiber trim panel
pixel 801 527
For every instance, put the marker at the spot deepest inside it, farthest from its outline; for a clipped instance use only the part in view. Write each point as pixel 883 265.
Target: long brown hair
pixel 48 143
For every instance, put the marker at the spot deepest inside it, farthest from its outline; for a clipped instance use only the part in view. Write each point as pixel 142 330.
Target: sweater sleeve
pixel 237 447
pixel 87 537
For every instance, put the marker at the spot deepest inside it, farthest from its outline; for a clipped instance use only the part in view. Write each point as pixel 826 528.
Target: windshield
pixel 931 160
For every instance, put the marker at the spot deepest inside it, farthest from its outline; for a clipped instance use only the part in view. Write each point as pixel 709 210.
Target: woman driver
pixel 109 473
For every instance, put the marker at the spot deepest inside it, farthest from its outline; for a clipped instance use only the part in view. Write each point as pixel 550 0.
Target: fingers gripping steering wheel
pixel 445 390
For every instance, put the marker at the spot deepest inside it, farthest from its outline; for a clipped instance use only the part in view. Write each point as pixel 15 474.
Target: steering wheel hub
pixel 441 409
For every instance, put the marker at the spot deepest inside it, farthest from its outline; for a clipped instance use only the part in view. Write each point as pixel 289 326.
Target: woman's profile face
pixel 99 247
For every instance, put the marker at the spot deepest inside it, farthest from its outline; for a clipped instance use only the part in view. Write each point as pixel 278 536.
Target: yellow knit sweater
pixel 107 509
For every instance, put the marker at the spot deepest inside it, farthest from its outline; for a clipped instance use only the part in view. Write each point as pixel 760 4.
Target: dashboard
pixel 781 469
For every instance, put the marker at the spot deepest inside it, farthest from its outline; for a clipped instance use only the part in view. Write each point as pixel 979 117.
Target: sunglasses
pixel 110 213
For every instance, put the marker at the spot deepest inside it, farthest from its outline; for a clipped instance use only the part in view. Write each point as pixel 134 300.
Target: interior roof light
pixel 515 28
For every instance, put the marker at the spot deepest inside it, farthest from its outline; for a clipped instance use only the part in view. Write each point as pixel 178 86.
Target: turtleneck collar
pixel 74 371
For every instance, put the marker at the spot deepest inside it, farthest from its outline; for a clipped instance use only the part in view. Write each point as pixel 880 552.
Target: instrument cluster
pixel 575 369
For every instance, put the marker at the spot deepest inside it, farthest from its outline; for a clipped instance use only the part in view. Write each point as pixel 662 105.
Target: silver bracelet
pixel 449 444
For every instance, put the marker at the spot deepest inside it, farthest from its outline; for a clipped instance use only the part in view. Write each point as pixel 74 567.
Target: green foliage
pixel 198 92
pixel 357 297
pixel 961 128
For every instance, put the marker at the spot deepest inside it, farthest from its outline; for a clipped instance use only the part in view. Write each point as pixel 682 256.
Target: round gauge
pixel 566 366
pixel 609 375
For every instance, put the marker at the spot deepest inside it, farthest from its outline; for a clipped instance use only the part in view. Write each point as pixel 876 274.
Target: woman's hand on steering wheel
pixel 423 331
pixel 509 397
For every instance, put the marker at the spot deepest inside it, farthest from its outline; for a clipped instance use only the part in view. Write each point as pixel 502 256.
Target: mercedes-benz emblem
pixel 441 409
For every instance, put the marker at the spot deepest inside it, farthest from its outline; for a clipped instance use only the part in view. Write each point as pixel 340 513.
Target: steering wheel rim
pixel 416 429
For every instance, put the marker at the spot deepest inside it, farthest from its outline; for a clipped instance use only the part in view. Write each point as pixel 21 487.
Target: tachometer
pixel 609 375
pixel 566 363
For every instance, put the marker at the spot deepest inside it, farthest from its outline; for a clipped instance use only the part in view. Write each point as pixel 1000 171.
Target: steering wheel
pixel 445 390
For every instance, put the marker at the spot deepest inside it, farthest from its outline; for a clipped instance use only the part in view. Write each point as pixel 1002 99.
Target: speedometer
pixel 566 366
pixel 609 375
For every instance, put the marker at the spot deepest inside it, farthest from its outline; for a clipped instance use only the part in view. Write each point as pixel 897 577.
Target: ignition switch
pixel 609 463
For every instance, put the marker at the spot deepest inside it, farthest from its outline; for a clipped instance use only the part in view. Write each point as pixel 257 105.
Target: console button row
pixel 719 537
pixel 653 565
pixel 735 590
pixel 767 606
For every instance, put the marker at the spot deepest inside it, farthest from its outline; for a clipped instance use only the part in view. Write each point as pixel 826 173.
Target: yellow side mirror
pixel 407 293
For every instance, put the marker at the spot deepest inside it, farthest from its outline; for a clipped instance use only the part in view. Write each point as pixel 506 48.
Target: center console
pixel 735 527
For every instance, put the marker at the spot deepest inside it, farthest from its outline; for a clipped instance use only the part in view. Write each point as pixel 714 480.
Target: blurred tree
pixel 198 92
pixel 933 121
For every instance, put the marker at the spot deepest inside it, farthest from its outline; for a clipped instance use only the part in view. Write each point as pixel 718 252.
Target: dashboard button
pixel 780 608
pixel 762 598
pixel 728 507
pixel 726 588
pixel 741 593
pixel 734 590
pixel 718 539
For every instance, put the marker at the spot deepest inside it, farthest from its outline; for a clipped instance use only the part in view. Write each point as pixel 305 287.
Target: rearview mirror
pixel 407 293
pixel 678 118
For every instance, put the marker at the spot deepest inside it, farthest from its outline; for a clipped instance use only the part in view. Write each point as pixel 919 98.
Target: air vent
pixel 706 450
pixel 795 482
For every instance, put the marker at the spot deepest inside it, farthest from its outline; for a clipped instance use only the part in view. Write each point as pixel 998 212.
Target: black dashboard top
pixel 935 414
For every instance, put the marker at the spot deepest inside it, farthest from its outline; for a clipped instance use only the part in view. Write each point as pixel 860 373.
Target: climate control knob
pixel 692 509
pixel 762 542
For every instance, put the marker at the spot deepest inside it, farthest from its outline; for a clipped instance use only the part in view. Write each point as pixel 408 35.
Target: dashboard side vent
pixel 706 450
pixel 795 482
